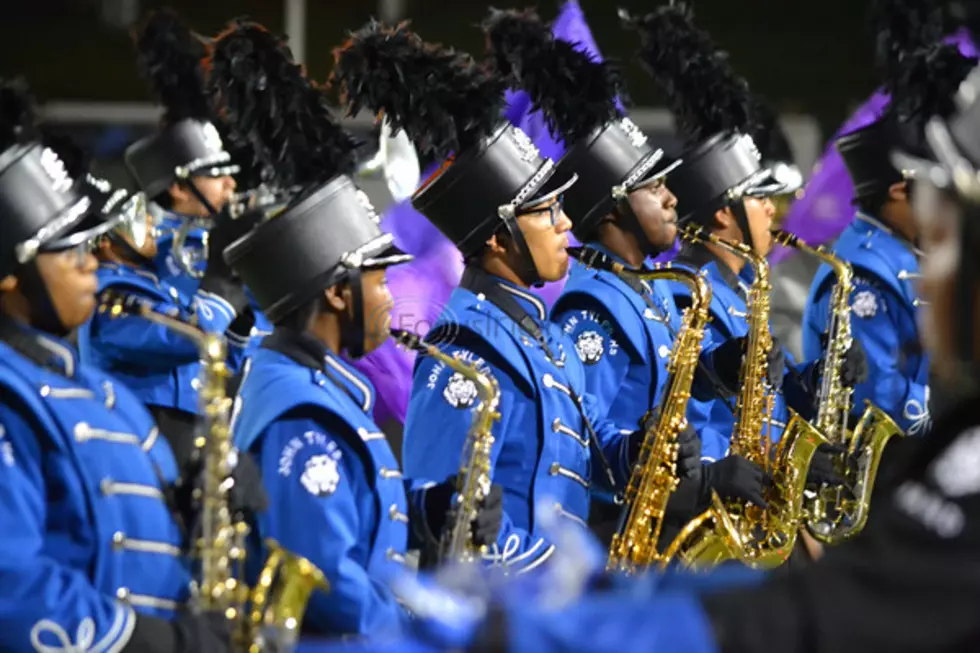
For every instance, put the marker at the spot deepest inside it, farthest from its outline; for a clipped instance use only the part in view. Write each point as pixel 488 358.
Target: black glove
pixel 188 633
pixel 726 360
pixel 822 470
pixel 854 369
pixel 734 476
pixel 438 504
pixel 688 442
pixel 246 497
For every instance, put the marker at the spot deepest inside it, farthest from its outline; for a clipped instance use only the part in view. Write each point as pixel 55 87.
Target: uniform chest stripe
pixel 395 515
pixel 120 543
pixel 151 439
pixel 84 433
pixel 66 393
pixel 549 382
pixel 110 487
pixel 146 601
pixel 384 472
pixel 732 311
pixel 557 470
pixel 394 556
pixel 567 515
pixel 558 427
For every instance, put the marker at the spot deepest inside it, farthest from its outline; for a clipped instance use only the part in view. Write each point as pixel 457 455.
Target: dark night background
pixel 807 57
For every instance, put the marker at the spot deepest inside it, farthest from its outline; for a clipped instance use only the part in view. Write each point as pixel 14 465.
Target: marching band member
pixel 494 198
pixel 621 208
pixel 903 585
pixel 318 272
pixel 92 549
pixel 183 169
pixel 159 366
pixel 722 187
pixel 881 244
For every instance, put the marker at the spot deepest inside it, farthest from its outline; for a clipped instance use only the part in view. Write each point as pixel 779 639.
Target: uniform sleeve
pixel 314 481
pixel 706 408
pixel 436 428
pixel 132 338
pixel 907 584
pixel 45 606
pixel 596 339
pixel 874 322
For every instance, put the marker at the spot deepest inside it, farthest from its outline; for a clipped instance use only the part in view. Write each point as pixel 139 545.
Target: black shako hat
pixel 42 207
pixel 188 144
pixel 715 112
pixel 921 74
pixel 450 107
pixel 327 232
pixel 577 95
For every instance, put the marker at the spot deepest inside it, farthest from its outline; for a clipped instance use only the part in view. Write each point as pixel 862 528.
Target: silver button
pixel 481 297
pixel 110 395
pixel 173 292
pixel 122 593
pixel 648 314
pixel 555 425
pixel 548 380
pixel 664 351
pixel 195 384
pixel 117 540
pixel 554 468
pixel 45 390
pixel 81 432
pixel 106 486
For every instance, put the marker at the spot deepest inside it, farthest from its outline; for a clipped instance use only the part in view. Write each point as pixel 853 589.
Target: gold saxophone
pixel 761 538
pixel 267 617
pixel 835 514
pixel 654 478
pixel 473 481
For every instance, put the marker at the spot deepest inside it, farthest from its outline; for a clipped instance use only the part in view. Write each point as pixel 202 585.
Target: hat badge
pixel 527 150
pixel 54 168
pixel 212 140
pixel 636 136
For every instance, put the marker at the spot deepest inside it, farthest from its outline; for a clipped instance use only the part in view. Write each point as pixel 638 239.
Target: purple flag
pixel 422 288
pixel 826 207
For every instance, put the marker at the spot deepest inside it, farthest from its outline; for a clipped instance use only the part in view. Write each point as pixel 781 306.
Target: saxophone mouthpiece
pixel 785 238
pixel 405 338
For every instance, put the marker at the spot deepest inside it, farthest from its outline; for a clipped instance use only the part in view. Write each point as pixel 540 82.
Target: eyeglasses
pixel 554 210
pixel 77 254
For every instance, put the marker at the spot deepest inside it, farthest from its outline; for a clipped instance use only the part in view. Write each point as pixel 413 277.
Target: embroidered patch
pixel 589 346
pixel 320 476
pixel 865 304
pixel 957 471
pixel 459 392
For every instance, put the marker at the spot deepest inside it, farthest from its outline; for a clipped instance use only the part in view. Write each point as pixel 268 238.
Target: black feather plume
pixel 443 100
pixel 269 104
pixel 18 115
pixel 927 83
pixel 903 27
pixel 576 93
pixel 704 93
pixel 169 59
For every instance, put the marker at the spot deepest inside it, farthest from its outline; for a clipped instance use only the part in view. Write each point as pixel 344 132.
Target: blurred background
pixel 813 60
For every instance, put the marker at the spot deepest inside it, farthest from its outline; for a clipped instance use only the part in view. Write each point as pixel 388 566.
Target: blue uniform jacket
pixel 165 264
pixel 87 535
pixel 714 420
pixel 168 271
pixel 884 307
pixel 542 448
pixel 624 344
pixel 161 366
pixel 336 494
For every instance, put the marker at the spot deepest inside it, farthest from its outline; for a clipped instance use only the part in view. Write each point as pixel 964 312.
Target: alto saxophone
pixel 761 538
pixel 654 478
pixel 267 617
pixel 474 479
pixel 835 514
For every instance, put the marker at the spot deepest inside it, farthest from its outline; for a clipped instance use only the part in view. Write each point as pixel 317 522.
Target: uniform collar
pixel 43 349
pixel 599 247
pixel 698 256
pixel 881 226
pixel 309 352
pixel 527 300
